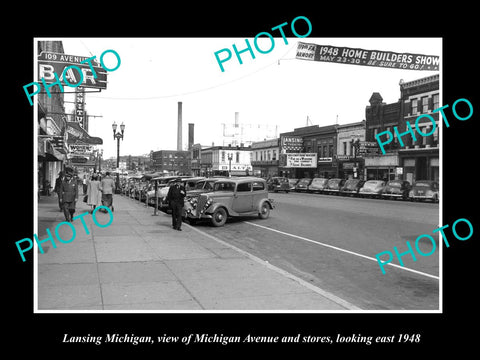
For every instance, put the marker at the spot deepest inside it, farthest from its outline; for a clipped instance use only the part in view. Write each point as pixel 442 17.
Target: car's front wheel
pixel 264 211
pixel 219 217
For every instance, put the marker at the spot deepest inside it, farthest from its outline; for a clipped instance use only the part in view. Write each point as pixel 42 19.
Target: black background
pixel 43 333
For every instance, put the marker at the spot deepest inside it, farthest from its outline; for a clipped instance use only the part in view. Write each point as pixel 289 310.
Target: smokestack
pixel 179 129
pixel 236 119
pixel 190 135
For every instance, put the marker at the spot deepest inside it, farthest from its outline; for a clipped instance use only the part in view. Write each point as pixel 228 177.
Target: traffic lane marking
pixel 347 305
pixel 343 250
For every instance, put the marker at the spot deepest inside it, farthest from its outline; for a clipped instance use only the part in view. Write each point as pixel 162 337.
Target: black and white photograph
pixel 280 174
pixel 299 185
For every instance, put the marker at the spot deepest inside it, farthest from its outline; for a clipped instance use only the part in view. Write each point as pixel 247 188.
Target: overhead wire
pixel 203 89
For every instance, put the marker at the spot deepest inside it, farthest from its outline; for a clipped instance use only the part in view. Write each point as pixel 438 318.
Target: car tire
pixel 219 217
pixel 192 222
pixel 264 211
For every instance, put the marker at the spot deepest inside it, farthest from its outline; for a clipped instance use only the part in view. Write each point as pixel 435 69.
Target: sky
pixel 273 89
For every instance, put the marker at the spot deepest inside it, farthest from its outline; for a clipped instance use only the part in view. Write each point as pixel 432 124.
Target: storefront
pixel 382 167
pixel 420 164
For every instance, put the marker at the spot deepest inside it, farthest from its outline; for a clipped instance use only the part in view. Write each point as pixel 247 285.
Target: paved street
pixel 140 263
pixel 300 230
pixel 307 255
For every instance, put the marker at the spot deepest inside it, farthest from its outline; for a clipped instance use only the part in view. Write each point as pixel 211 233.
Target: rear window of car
pixel 422 184
pixel 257 185
pixel 395 183
pixel 244 186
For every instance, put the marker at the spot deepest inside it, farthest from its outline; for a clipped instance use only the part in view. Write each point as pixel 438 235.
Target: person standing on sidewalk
pixel 68 195
pixel 85 185
pixel 58 182
pixel 94 193
pixel 175 197
pixel 107 186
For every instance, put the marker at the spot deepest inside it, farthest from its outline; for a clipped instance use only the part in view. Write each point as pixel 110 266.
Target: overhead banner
pixel 354 56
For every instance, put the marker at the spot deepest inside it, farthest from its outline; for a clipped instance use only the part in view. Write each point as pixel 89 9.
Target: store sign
pixel 80 148
pixel 301 160
pixel 325 159
pixel 50 63
pixel 355 56
pixel 368 148
pixel 80 106
pixel 291 143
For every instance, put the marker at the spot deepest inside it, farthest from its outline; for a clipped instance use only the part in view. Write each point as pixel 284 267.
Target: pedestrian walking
pixel 68 194
pixel 175 197
pixel 85 184
pixel 107 186
pixel 94 193
pixel 58 182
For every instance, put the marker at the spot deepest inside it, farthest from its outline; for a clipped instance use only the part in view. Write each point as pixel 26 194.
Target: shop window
pixel 237 157
pixel 274 155
pixel 345 148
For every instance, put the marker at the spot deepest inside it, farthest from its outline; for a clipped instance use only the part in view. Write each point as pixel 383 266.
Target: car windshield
pixel 224 186
pixel 334 181
pixel 319 181
pixel 302 181
pixel 372 184
pixel 200 185
pixel 351 183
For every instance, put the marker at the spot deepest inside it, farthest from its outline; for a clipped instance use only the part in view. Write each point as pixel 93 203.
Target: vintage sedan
pixel 277 184
pixel 397 189
pixel 424 190
pixel 334 186
pixel 233 197
pixel 302 185
pixel 161 181
pixel 372 188
pixel 292 183
pixel 352 187
pixel 187 182
pixel 317 185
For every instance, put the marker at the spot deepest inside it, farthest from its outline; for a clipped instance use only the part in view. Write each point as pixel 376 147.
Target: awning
pixel 76 134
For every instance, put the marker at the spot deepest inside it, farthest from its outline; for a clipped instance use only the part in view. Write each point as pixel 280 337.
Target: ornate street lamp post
pixel 118 136
pixel 356 145
pixel 230 157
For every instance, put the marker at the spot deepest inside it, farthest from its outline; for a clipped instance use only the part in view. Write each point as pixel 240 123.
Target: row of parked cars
pixel 208 199
pixel 393 189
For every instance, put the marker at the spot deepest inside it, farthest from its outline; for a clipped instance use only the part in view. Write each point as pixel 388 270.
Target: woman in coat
pixel 94 193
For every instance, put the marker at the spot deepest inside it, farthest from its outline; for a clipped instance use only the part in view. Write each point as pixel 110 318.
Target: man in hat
pixel 68 194
pixel 58 182
pixel 175 197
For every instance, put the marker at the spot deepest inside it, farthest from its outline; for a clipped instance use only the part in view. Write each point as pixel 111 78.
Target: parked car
pixel 372 188
pixel 202 186
pixel 317 185
pixel 232 197
pixel 425 190
pixel 351 187
pixel 334 185
pixel 292 183
pixel 302 184
pixel 397 189
pixel 161 181
pixel 187 182
pixel 277 184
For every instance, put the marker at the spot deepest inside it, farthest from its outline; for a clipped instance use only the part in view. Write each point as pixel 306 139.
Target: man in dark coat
pixel 175 197
pixel 68 195
pixel 58 182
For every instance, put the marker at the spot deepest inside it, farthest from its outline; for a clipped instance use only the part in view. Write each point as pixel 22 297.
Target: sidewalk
pixel 140 263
